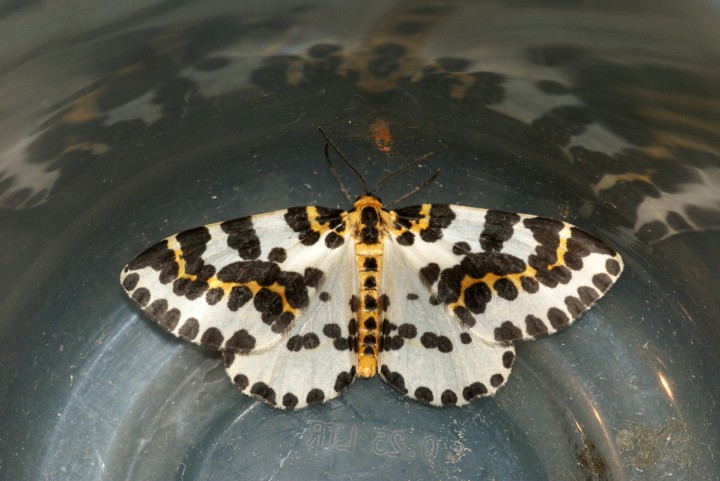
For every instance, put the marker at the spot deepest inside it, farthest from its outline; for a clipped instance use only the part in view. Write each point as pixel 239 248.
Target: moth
pixel 303 301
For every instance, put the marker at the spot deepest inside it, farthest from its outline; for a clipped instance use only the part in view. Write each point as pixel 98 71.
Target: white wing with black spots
pixel 238 285
pixel 425 352
pixel 504 276
pixel 316 359
pixel 293 301
pixel 271 291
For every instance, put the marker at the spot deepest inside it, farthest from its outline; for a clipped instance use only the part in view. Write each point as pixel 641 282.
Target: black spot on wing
pixel 574 306
pixel 612 267
pixel 157 309
pixel 263 392
pixel 505 289
pixel 465 316
pixel 298 220
pixel 498 229
pixel 352 327
pixel 508 359
pixel 344 379
pixel 354 303
pixel 228 358
pixel 529 284
pixel 557 317
pixel 214 295
pixel 130 282
pixel 384 302
pixel 332 331
pixel 441 216
pixel 496 380
pixel 474 390
pixel 159 258
pixel 212 337
pixel 448 397
pixel 581 244
pixel 424 394
pixel 289 400
pixel 141 296
pixel 333 240
pixel 430 274
pixel 243 272
pixel 406 238
pixel 170 319
pixel 239 296
pixel 476 297
pixel 587 295
pixel 507 332
pixel 461 248
pixel 277 254
pixel 190 328
pixel 313 277
pixel 602 281
pixel 315 396
pixel 242 237
pixel 535 326
pixel 408 331
pixel 241 381
pixel 395 379
pixel 310 340
pixel 241 341
pixel 546 233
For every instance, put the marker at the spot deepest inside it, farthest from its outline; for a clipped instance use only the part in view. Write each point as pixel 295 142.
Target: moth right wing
pixel 239 285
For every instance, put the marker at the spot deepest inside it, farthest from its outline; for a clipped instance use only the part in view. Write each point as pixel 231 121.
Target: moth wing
pixel 238 285
pixel 315 361
pixel 504 276
pixel 425 352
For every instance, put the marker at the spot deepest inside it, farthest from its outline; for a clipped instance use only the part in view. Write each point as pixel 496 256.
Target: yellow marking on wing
pixel 214 282
pixel 324 227
pixel 254 288
pixel 174 245
pixel 490 279
pixel 389 218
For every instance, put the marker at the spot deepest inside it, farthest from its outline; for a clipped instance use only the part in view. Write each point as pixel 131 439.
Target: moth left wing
pixel 462 283
pixel 503 276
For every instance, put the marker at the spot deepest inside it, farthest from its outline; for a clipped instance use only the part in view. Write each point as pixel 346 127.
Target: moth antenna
pixel 400 170
pixel 337 177
pixel 344 159
pixel 415 190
